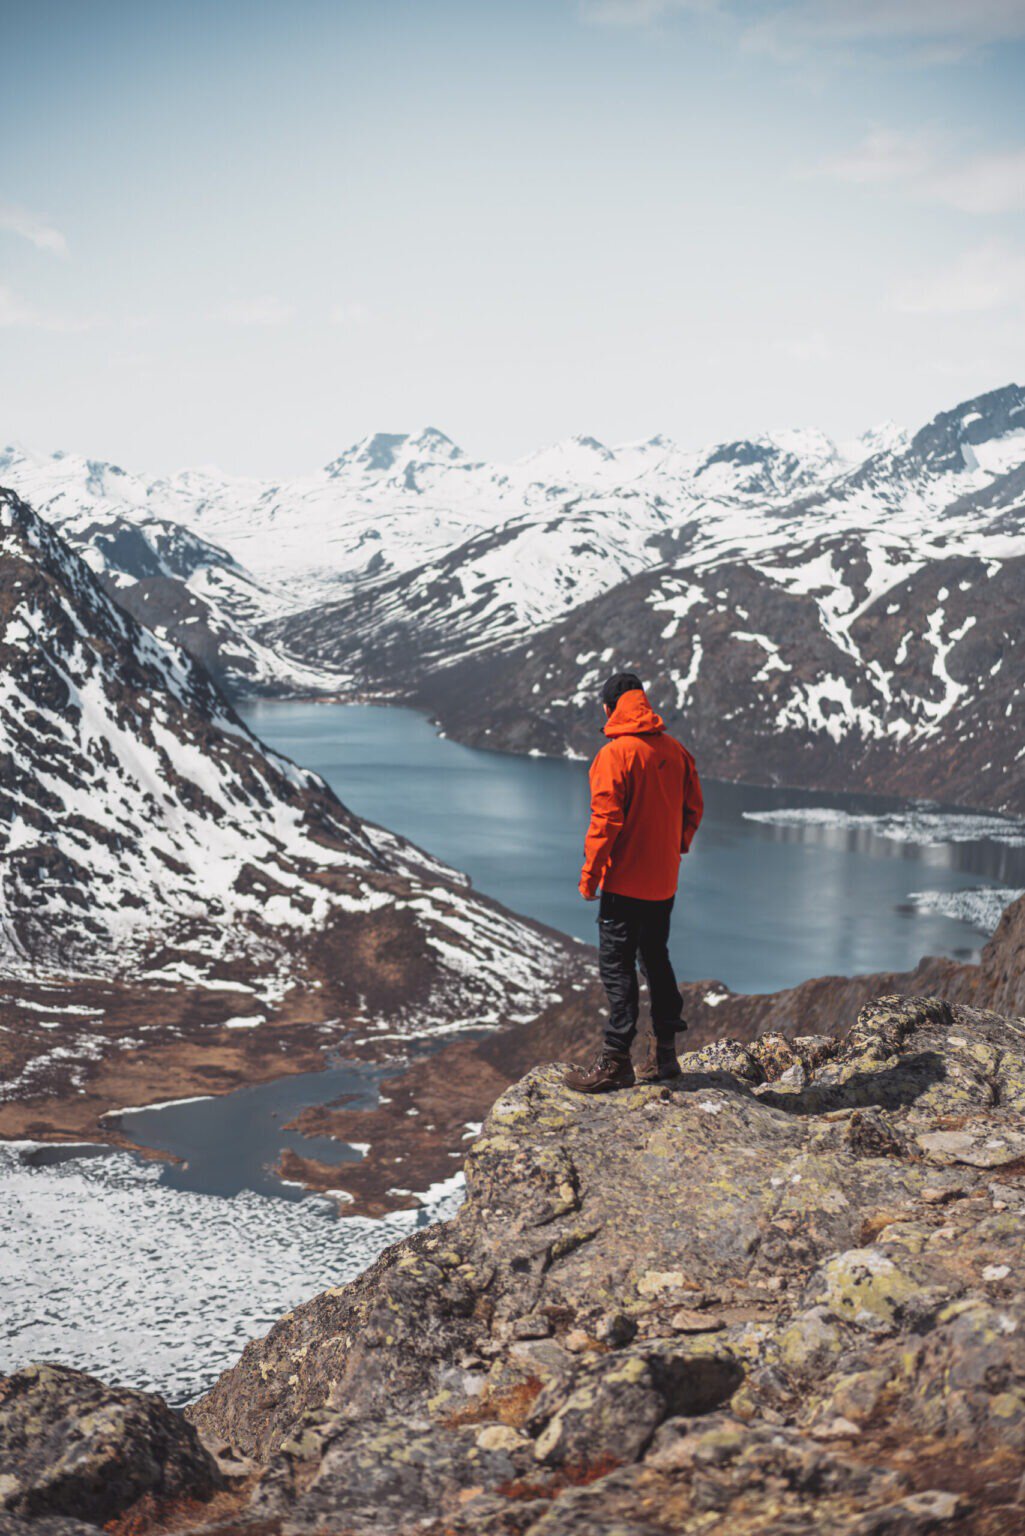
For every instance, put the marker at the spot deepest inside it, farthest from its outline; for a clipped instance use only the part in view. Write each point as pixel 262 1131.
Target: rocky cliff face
pixel 782 1294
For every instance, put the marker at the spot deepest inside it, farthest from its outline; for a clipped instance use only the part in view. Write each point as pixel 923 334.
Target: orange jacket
pixel 646 804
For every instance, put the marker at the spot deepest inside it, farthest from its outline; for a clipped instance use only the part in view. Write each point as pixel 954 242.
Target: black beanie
pixel 623 682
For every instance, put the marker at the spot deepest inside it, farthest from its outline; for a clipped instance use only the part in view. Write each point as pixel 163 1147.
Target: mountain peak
pixel 432 440
pixel 382 452
pixel 951 440
pixel 569 458
pixel 885 437
pixel 593 444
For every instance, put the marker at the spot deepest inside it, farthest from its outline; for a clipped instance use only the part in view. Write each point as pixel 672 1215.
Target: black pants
pixel 630 928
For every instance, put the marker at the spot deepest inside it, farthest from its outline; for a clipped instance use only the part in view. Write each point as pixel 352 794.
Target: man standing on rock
pixel 646 805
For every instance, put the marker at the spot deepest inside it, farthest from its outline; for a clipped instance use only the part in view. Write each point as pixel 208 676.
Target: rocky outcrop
pixel 425 1111
pixel 73 1450
pixel 784 1293
pixel 1002 970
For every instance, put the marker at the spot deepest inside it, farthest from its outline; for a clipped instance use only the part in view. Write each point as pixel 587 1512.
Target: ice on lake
pixel 105 1268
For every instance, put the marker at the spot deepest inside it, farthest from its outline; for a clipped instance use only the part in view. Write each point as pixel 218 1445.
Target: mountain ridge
pixel 835 642
pixel 163 873
pixel 832 602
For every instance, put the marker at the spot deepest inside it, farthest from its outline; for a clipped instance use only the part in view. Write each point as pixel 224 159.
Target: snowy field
pixel 104 1268
pixel 919 824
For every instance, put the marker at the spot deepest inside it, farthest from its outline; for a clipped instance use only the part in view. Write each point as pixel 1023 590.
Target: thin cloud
pixel 265 311
pixel 639 13
pixel 990 277
pixel 993 183
pixel 937 31
pixel 349 315
pixel 16 312
pixel 882 158
pixel 927 168
pixel 31 227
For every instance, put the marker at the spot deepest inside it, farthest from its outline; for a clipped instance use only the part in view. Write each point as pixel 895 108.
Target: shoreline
pixel 374 700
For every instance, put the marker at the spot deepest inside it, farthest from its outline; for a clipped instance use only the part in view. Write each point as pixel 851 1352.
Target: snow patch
pixel 914 826
pixel 980 908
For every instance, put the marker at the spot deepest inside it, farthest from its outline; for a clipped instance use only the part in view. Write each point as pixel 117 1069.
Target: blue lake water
pixel 232 1142
pixel 828 884
pixel 867 886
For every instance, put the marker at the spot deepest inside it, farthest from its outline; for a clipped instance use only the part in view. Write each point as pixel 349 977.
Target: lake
pixel 780 885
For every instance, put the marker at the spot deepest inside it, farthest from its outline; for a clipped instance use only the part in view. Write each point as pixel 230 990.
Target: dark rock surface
pixel 784 1293
pixel 72 1449
pixel 49 1525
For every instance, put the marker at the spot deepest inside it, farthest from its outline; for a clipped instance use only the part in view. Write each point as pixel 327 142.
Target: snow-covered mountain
pixel 408 569
pixel 145 833
pixel 746 499
pixel 552 530
pixel 192 591
pixel 867 636
pixel 858 630
pixel 394 503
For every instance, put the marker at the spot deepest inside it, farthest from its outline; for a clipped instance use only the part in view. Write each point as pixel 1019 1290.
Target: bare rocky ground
pixel 783 1294
pixel 426 1108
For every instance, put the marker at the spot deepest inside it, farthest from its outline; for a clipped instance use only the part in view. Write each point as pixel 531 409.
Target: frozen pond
pixel 107 1268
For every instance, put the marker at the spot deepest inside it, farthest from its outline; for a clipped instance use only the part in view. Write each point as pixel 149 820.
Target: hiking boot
pixel 609 1070
pixel 659 1063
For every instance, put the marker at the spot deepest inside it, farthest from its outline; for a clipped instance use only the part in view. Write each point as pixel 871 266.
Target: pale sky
pixel 246 234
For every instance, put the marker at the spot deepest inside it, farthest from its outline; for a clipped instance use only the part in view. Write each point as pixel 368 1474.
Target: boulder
pixel 72 1447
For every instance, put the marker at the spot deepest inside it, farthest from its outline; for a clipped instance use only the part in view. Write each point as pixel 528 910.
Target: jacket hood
pixel 633 716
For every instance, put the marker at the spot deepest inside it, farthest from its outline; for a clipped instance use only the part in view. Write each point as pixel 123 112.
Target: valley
pixel 190 919
pixel 181 909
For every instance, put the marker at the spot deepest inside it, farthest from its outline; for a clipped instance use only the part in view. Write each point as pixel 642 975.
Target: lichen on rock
pixel 756 1299
pixel 71 1447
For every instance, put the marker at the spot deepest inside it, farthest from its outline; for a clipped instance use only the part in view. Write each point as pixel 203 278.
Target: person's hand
pixel 588 895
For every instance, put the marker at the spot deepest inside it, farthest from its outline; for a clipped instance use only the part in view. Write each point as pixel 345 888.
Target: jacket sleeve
pixel 608 808
pixel 693 805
